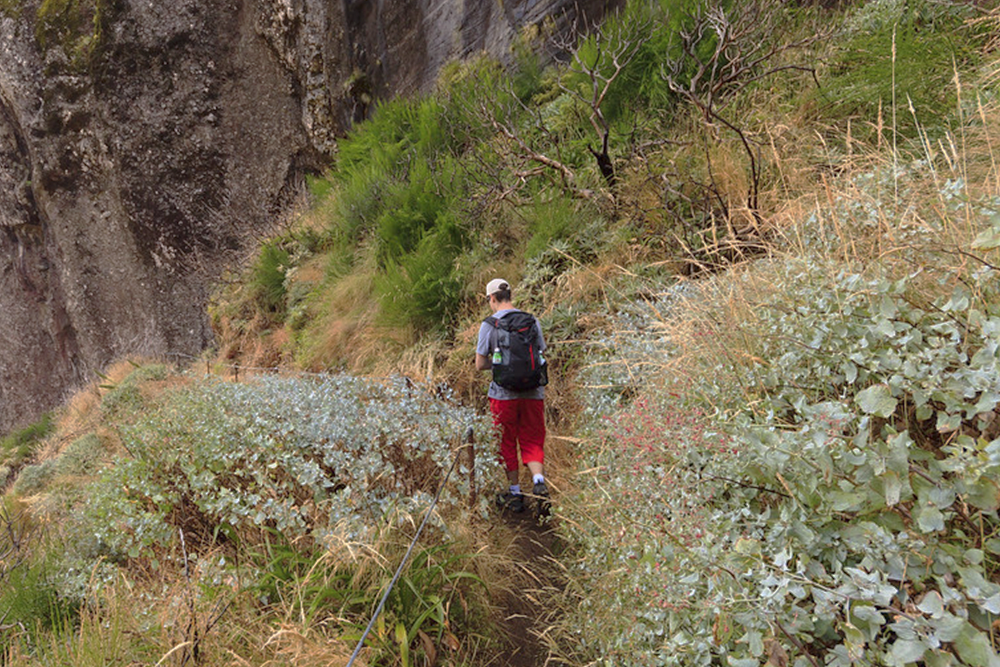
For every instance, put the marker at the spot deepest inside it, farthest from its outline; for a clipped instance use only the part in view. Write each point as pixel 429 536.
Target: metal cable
pixel 406 557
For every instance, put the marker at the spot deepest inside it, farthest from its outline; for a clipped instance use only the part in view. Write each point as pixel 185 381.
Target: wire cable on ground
pixel 406 556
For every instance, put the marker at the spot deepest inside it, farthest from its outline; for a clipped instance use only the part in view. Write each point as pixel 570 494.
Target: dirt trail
pixel 528 611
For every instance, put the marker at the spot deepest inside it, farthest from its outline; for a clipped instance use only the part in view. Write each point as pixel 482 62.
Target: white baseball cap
pixel 496 285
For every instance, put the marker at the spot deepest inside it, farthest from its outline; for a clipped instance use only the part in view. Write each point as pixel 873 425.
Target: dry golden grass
pixel 306 647
pixel 80 414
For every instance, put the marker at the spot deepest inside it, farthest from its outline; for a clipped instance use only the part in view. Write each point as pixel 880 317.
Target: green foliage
pixel 81 457
pixel 848 473
pixel 30 604
pixel 126 396
pixel 422 603
pixel 895 56
pixel 267 277
pixel 559 219
pixel 649 29
pixel 288 571
pixel 423 287
pixel 293 455
pixel 34 478
pixel 320 187
pixel 20 444
pixel 399 134
pixel 415 210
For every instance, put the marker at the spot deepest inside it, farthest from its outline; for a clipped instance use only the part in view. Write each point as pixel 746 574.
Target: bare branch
pixel 744 52
pixel 567 174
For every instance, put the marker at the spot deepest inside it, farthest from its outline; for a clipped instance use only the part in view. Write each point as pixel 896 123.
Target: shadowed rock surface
pixel 143 144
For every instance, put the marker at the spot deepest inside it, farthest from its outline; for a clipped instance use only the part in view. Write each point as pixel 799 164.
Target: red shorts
pixel 521 421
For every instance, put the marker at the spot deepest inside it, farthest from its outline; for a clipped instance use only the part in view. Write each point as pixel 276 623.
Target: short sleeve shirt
pixel 483 348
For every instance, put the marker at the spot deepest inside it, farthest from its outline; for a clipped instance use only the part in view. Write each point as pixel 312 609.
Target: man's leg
pixel 505 417
pixel 531 435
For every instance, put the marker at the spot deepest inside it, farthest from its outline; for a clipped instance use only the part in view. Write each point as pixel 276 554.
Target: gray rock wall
pixel 141 152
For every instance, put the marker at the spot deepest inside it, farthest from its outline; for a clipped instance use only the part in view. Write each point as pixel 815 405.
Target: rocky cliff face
pixel 142 144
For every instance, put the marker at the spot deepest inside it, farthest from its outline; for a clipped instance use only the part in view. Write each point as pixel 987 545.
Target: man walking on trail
pixel 510 344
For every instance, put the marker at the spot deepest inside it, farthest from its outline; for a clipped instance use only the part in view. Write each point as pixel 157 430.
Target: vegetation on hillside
pixel 762 239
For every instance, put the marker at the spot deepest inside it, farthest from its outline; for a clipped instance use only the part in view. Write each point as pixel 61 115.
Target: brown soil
pixel 528 612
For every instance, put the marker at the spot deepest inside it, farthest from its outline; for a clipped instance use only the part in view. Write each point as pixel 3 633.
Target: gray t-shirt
pixel 483 348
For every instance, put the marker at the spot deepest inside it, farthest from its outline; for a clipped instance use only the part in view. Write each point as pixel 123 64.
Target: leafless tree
pixel 746 49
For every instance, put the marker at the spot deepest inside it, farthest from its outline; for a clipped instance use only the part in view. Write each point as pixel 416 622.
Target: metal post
pixel 470 449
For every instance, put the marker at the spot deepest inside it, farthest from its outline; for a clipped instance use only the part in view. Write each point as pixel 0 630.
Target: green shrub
pixel 123 398
pixel 423 288
pixel 848 473
pixel 294 455
pixel 20 444
pixel 267 278
pixel 81 457
pixel 415 208
pixel 31 604
pixel 147 373
pixel 126 396
pixel 399 134
pixel 34 478
pixel 320 187
pixel 648 31
pixel 560 219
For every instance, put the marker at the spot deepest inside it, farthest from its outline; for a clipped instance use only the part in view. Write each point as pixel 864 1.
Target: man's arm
pixel 483 363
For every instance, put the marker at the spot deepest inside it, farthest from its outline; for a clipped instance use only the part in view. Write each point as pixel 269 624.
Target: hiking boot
pixel 541 494
pixel 511 501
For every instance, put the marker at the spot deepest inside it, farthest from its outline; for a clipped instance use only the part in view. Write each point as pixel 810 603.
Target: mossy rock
pixel 75 26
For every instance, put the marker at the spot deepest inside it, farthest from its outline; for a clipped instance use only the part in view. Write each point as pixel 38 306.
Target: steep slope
pixel 142 144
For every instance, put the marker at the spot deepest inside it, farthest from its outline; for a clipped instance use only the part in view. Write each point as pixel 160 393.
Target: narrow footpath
pixel 528 612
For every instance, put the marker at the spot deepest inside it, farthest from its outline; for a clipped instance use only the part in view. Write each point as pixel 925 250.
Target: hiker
pixel 510 344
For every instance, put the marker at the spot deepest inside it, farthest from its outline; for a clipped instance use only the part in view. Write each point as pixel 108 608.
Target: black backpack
pixel 515 339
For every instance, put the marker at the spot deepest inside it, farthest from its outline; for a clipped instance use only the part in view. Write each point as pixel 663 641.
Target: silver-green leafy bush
pixel 83 456
pixel 840 507
pixel 302 456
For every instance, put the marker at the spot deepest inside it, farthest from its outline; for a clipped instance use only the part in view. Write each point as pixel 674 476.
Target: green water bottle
pixel 497 358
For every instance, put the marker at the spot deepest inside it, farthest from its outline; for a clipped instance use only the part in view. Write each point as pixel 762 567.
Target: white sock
pixel 538 479
pixel 515 489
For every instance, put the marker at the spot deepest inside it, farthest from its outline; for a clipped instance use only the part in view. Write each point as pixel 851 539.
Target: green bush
pixel 559 219
pixel 423 288
pixel 126 396
pixel 20 444
pixel 34 478
pixel 81 457
pixel 30 604
pixel 415 208
pixel 648 31
pixel 294 455
pixel 123 398
pixel 267 278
